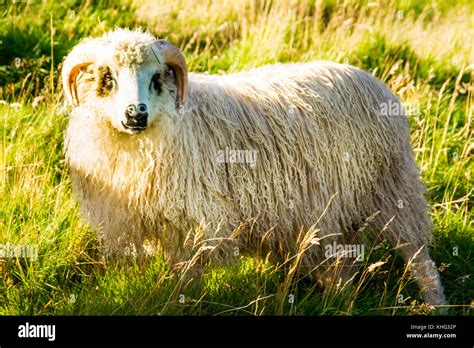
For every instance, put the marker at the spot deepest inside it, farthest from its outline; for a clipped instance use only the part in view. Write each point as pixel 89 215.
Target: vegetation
pixel 421 49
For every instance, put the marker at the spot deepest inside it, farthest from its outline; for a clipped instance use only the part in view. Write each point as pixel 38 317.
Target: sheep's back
pixel 317 131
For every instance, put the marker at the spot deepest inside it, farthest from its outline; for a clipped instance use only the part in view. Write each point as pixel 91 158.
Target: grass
pixel 421 49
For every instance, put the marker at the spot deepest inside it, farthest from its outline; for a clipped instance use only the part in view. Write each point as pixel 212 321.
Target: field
pixel 421 49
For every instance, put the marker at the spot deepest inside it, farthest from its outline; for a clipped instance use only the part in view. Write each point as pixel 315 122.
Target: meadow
pixel 421 49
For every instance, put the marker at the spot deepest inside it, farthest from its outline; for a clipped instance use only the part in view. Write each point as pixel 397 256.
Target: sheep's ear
pixel 170 55
pixel 70 89
pixel 80 57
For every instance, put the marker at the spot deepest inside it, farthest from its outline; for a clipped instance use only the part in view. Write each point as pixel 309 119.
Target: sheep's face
pixel 133 97
pixel 129 78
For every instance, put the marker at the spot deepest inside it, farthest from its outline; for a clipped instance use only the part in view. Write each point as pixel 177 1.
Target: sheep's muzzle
pixel 136 118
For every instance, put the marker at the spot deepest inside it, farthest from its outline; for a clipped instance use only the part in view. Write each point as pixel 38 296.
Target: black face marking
pixel 156 83
pixel 105 81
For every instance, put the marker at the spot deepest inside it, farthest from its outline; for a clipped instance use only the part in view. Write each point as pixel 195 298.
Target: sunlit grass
pixel 422 50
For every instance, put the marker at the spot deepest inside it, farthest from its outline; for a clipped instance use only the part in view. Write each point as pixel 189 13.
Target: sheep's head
pixel 130 77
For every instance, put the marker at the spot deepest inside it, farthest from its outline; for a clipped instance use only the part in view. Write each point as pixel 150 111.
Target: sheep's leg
pixel 338 275
pixel 192 252
pixel 405 223
pixel 425 273
pixel 333 272
pixel 118 229
pixel 420 264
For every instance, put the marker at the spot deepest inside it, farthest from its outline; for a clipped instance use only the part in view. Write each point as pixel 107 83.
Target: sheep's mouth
pixel 133 129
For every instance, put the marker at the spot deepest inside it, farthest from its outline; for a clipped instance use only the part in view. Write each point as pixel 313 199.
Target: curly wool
pixel 318 134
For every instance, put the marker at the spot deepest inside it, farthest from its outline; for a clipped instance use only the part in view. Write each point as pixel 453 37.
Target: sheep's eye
pixel 105 81
pixel 108 80
pixel 155 81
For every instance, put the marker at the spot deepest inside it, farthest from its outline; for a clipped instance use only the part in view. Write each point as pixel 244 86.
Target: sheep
pixel 157 152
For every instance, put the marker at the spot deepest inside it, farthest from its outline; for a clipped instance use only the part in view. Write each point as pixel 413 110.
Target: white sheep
pixel 155 152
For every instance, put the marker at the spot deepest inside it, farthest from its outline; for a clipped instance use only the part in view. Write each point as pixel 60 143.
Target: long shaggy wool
pixel 324 153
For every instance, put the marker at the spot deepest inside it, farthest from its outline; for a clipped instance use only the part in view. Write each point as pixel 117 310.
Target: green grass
pixel 408 50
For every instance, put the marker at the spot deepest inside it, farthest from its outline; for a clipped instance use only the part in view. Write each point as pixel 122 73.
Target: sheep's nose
pixel 136 115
